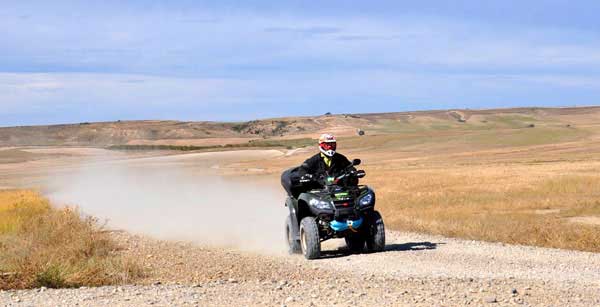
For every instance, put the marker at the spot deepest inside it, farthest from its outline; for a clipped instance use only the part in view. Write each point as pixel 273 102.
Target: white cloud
pixel 157 42
pixel 151 60
pixel 25 89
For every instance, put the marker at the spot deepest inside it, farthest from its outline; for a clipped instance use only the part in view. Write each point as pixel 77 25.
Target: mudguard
pixel 307 197
pixel 364 191
pixel 292 205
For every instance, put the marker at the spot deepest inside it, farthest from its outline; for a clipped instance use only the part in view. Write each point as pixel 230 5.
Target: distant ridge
pixel 210 133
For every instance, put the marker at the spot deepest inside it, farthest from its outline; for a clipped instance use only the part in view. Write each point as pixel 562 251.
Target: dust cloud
pixel 167 202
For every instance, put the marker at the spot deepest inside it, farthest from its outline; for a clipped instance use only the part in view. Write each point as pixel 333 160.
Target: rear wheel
pixel 292 244
pixel 309 238
pixel 376 236
pixel 355 242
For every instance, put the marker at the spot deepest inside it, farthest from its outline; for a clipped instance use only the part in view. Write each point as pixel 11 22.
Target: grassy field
pixel 524 204
pixel 525 176
pixel 522 176
pixel 44 246
pixel 527 185
pixel 512 178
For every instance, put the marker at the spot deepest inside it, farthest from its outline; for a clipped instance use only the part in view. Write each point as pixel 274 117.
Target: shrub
pixel 45 246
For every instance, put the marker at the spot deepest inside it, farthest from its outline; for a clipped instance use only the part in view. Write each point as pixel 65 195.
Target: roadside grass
pixel 493 205
pixel 17 207
pixel 45 246
pixel 496 179
pixel 512 191
pixel 493 184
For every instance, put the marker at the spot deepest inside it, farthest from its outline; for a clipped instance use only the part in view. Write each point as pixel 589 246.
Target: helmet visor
pixel 329 146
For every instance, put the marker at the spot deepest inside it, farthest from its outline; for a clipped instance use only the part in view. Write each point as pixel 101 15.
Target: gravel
pixel 415 270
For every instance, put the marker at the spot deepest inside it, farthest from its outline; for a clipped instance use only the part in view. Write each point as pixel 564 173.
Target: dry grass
pixel 492 178
pixel 516 204
pixel 503 184
pixel 44 246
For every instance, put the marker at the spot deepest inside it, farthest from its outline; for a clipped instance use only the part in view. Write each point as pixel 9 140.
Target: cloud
pixel 150 42
pixel 553 81
pixel 23 89
pixel 225 63
pixel 43 98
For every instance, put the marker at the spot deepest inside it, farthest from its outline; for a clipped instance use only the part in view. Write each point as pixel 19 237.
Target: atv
pixel 331 207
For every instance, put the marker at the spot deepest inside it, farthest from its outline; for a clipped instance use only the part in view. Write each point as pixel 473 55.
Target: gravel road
pixel 415 270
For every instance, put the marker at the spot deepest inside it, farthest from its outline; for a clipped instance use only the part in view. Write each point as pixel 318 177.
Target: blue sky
pixel 74 61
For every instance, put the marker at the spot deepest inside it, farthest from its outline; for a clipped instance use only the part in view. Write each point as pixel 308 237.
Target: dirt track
pixel 415 270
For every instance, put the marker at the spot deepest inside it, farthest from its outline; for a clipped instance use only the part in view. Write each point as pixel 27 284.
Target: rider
pixel 327 162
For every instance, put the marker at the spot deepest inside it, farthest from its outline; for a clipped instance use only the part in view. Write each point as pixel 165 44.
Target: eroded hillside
pixel 212 133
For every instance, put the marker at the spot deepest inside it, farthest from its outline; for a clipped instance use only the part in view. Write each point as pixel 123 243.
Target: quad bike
pixel 331 207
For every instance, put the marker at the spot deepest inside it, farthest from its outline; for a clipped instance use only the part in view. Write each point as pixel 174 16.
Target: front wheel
pixel 376 236
pixel 292 244
pixel 309 238
pixel 355 243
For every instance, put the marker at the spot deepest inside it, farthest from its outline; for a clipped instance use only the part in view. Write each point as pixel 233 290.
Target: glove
pixel 306 178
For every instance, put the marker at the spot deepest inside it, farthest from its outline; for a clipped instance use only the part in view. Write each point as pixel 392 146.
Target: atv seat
pixel 289 181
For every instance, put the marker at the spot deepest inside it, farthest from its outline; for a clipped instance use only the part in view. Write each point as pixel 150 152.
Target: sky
pixel 83 61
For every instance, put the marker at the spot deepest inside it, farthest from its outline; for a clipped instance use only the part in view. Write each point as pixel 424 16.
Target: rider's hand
pixel 306 178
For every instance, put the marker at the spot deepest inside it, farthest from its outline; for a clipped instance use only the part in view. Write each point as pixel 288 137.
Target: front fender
pixel 364 192
pixel 292 206
pixel 305 198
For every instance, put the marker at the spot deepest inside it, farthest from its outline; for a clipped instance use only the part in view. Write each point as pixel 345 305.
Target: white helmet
pixel 327 144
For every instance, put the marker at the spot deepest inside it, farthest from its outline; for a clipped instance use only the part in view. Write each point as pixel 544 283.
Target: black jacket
pixel 316 166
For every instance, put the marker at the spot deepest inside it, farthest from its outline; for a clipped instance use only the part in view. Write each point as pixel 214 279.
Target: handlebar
pixel 325 181
pixel 322 180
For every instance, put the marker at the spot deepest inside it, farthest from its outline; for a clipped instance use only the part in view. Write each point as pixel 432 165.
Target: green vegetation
pixel 242 126
pixel 289 144
pixel 510 121
pixel 256 127
pixel 279 127
pixel 489 122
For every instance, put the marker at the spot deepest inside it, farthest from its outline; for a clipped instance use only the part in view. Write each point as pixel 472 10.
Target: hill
pixel 158 132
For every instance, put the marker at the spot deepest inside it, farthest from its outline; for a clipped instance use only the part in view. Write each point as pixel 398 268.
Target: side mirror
pixel 356 162
pixel 360 174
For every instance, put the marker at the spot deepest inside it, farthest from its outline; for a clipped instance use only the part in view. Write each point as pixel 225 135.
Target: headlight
pixel 367 199
pixel 320 204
